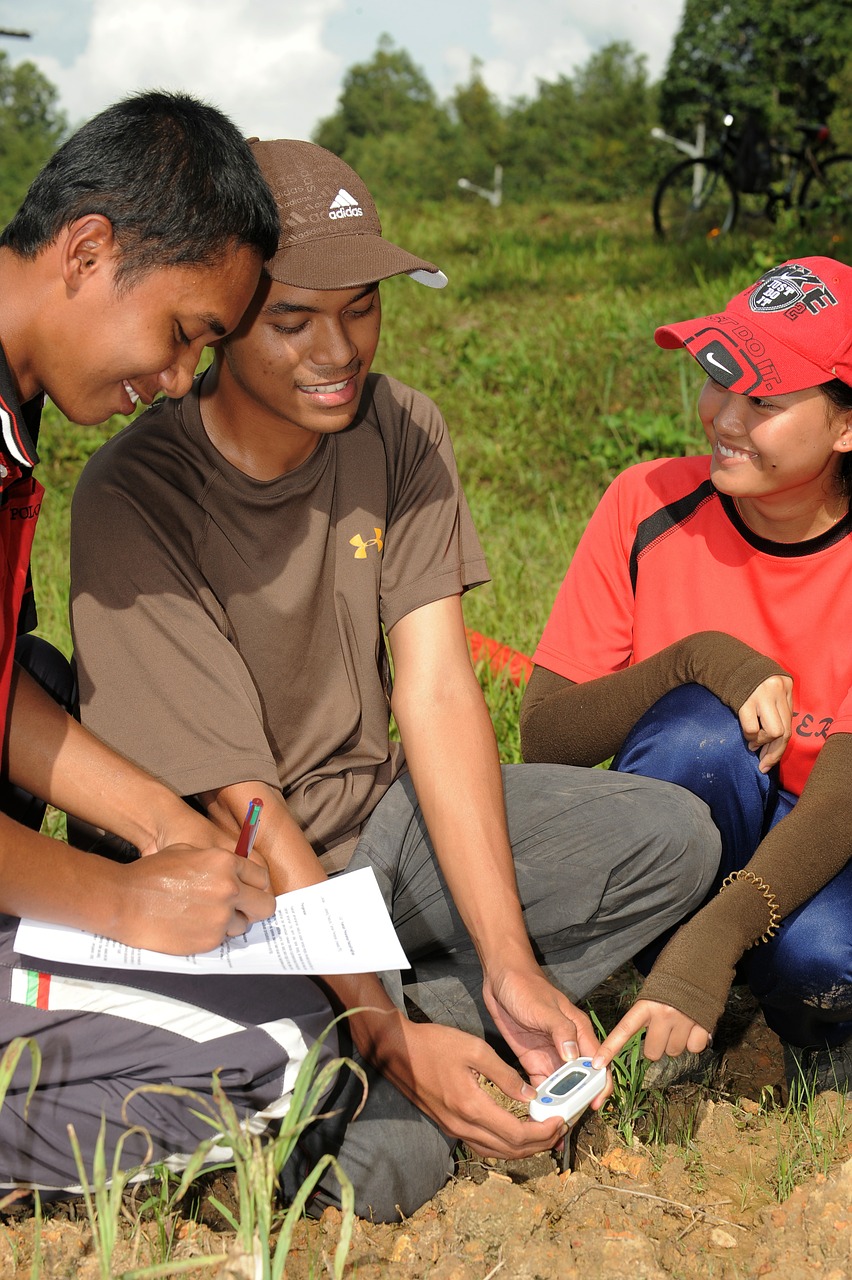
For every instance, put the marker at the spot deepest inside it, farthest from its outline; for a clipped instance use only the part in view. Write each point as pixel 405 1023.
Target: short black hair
pixel 174 176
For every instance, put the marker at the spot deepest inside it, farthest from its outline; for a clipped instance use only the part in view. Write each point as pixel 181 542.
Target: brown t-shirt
pixel 229 629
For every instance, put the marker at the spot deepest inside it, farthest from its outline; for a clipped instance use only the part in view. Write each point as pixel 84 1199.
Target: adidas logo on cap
pixel 345 206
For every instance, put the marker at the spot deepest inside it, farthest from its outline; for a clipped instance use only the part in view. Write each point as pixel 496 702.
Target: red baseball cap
pixel 789 331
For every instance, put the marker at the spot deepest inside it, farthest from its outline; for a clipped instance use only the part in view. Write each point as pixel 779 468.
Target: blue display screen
pixel 567 1083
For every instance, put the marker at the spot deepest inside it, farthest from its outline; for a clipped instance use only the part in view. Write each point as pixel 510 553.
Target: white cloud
pixel 543 39
pixel 277 68
pixel 261 62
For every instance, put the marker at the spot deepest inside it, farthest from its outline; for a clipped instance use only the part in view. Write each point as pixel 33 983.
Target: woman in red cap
pixel 700 637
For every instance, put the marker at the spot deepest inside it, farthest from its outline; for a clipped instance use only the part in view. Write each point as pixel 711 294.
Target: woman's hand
pixel 766 719
pixel 668 1031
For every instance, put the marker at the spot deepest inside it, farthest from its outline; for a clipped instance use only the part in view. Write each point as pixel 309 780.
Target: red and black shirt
pixel 20 503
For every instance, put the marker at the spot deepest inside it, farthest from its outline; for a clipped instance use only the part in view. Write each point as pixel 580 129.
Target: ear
pixel 843 439
pixel 88 246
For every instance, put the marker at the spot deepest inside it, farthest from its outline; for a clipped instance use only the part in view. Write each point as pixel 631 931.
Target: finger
pixel 589 1044
pixel 251 872
pixel 507 1079
pixel 698 1039
pixel 491 1130
pixel 570 1049
pixel 772 722
pixel 663 1038
pixel 772 753
pixel 238 926
pixel 566 1036
pixel 508 1137
pixel 749 722
pixel 634 1020
pixel 254 904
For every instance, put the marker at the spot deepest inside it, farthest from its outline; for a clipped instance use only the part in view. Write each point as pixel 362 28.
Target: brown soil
pixel 709 1197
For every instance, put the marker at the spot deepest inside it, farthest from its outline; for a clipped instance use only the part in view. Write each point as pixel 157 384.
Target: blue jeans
pixel 803 976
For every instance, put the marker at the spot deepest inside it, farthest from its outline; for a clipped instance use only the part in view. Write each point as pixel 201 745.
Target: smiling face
pixel 778 447
pixel 113 348
pixel 300 358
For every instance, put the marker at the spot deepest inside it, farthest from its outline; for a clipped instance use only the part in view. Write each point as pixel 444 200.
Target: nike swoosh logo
pixel 711 359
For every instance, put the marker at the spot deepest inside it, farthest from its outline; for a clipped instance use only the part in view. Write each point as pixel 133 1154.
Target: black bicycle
pixel 701 197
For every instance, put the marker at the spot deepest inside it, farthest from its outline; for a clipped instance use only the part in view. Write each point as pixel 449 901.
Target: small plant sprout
pixel 258 1162
pixel 104 1189
pixel 8 1065
pixel 631 1100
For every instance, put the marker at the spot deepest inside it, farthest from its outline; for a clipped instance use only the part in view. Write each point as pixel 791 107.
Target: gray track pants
pixel 605 862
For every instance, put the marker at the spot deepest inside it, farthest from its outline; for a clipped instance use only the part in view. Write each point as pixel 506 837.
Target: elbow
pixel 533 742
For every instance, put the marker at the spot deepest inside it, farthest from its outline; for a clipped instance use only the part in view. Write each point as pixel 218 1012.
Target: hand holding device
pixel 568 1091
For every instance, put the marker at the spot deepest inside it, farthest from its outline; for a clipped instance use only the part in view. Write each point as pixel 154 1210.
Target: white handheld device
pixel 568 1091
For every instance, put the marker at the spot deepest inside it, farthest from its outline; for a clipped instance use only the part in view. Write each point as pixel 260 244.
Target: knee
pixel 682 841
pixel 688 729
pixel 410 1177
pixel 390 1183
pixel 393 1155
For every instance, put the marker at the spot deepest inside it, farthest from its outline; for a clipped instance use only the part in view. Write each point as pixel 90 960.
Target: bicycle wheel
pixel 826 201
pixel 695 199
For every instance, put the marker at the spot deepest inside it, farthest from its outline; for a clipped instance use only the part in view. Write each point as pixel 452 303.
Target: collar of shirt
pixel 18 425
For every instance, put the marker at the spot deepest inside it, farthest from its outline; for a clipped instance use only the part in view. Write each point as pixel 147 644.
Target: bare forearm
pixel 50 755
pixel 280 841
pixel 294 865
pixel 452 756
pixel 49 880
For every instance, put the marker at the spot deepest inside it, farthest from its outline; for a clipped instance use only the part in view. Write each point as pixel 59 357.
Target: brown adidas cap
pixel 331 237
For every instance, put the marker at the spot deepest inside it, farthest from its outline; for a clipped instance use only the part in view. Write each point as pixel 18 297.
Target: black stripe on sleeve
pixel 664 520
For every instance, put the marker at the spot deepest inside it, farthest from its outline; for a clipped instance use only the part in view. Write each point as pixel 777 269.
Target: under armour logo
pixel 361 546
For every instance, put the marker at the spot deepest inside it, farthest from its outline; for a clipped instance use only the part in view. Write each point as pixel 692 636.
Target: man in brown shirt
pixel 238 560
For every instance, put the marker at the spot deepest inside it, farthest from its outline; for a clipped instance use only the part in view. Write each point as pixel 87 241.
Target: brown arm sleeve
pixel 800 855
pixel 583 724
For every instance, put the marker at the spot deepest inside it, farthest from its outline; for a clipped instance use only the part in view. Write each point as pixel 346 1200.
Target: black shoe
pixel 814 1070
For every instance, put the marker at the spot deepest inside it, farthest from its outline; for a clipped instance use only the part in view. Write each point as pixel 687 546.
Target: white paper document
pixel 339 926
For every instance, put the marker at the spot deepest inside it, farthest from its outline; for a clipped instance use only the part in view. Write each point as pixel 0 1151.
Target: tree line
pixel 31 128
pixel 585 135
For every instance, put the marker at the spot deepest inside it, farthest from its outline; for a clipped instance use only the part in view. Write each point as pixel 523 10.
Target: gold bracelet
pixel 771 902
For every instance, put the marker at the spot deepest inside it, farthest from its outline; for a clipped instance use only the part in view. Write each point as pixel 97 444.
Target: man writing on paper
pixel 139 242
pixel 238 559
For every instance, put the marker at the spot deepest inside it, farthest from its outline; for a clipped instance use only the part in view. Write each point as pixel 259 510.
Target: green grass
pixel 263 1230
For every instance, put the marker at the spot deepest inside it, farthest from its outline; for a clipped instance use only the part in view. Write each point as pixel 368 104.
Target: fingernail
pixel 598 1061
pixel 528 1091
pixel 570 1050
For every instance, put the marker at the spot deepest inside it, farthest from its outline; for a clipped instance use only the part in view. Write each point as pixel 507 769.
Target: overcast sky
pixel 276 66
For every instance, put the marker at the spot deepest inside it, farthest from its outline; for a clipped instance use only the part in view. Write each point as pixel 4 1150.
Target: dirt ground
pixel 707 1194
